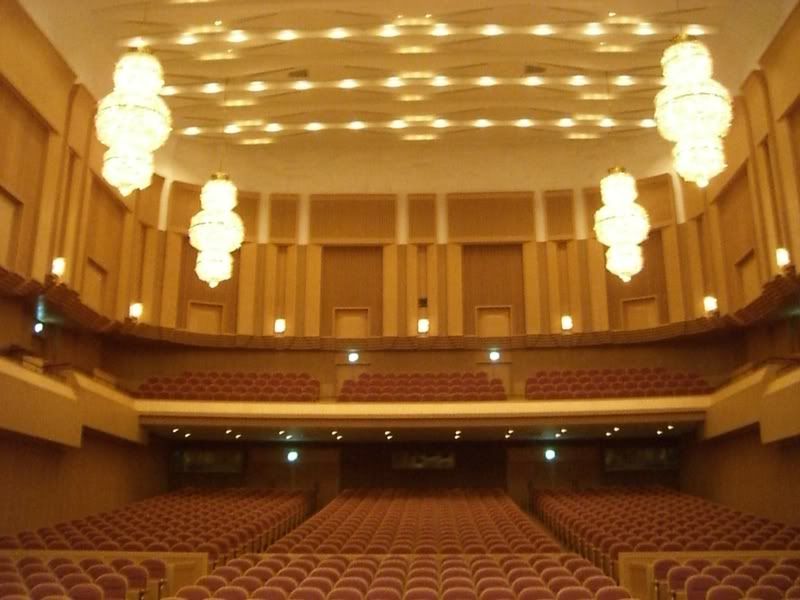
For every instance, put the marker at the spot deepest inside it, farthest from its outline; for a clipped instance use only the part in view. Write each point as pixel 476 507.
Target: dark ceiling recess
pixel 298 74
pixel 534 70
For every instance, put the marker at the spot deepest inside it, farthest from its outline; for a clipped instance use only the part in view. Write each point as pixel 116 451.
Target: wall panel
pixel 498 216
pixel 184 203
pixel 492 275
pixel 422 218
pixel 352 277
pixel 339 218
pixel 283 214
pixel 103 243
pixel 560 211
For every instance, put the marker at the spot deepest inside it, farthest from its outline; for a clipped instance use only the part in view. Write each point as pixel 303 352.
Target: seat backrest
pixel 764 592
pixel 612 592
pixel 574 593
pixel 724 592
pixel 739 580
pixel 265 593
pixel 696 586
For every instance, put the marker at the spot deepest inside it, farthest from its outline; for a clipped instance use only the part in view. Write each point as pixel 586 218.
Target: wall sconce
pixel 59 267
pixel 280 326
pixel 352 357
pixel 782 257
pixel 135 311
pixel 566 323
pixel 423 326
pixel 710 305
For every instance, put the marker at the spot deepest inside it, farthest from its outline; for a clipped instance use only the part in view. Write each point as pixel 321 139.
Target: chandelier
pixel 621 224
pixel 133 121
pixel 216 231
pixel 693 111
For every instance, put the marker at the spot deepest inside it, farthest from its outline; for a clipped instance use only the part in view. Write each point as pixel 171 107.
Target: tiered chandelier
pixel 216 231
pixel 693 111
pixel 133 121
pixel 621 224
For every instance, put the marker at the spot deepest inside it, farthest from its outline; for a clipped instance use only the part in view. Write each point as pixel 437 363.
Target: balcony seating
pixel 235 386
pixel 609 383
pixel 414 387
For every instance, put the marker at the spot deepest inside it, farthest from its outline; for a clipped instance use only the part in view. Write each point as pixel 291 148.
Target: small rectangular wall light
pixel 566 323
pixel 135 311
pixel 59 266
pixel 710 304
pixel 782 257
pixel 280 326
pixel 423 325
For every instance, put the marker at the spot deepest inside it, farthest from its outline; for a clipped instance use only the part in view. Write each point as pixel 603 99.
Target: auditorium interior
pixel 399 300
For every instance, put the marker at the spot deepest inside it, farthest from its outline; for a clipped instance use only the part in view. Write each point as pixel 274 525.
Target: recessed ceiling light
pixel 356 125
pixel 281 432
pixel 338 437
pixel 338 33
pixel 302 85
pixel 348 84
pixel 414 50
pixel 237 36
pixel 458 432
pixel 388 437
pixel 228 431
pixel 563 430
pixel 543 30
pixel 287 35
pixel 558 435
pixel 218 23
pixel 578 80
pixel 440 81
pixel 232 129
pixel 612 14
pixel 256 142
pixel 187 435
pixel 670 427
pixel 334 432
pixel 648 123
pixel 176 429
pixel 456 437
pixel 644 29
pixel 492 30
pixel 566 122
pixel 187 39
pixel 389 31
pixel 256 86
pixel 191 131
pixel 607 122
pixel 507 436
pixel 238 102
pixel 696 30
pixel 394 82
pixel 420 137
pixel 398 124
pixel 659 432
pixel 533 81
pixel 273 127
pixel 510 431
pixel 212 88
pixel 624 81
pixel 315 126
pixel 523 123
pixel 440 30
pixel 289 436
pixel 483 123
pixel 487 81
pixel 608 434
pixel 441 123
pixel 238 436
pixel 168 90
pixel 593 29
pixel 616 429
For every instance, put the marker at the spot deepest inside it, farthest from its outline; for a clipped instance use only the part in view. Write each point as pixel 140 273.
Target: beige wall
pixel 45 483
pixel 740 471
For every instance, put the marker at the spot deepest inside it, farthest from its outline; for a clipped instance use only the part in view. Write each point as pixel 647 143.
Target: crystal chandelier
pixel 621 224
pixel 216 231
pixel 694 111
pixel 133 121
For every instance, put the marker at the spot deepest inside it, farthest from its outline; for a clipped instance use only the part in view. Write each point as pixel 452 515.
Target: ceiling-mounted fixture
pixel 621 224
pixel 216 231
pixel 694 111
pixel 133 121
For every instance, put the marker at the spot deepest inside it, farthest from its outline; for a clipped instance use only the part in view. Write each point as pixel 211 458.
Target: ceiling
pixel 467 432
pixel 255 72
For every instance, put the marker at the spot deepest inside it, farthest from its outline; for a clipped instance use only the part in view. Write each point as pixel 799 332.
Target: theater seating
pixel 450 521
pixel 219 522
pixel 225 385
pixel 413 387
pixel 646 518
pixel 399 577
pixel 608 383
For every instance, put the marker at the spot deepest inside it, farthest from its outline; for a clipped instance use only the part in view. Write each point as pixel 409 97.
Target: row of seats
pixel 409 387
pixel 728 579
pixel 231 386
pixel 219 522
pixel 369 577
pixel 623 382
pixel 653 519
pixel 89 579
pixel 450 521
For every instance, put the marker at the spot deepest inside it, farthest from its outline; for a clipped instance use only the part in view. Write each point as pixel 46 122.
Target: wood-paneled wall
pixel 719 241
